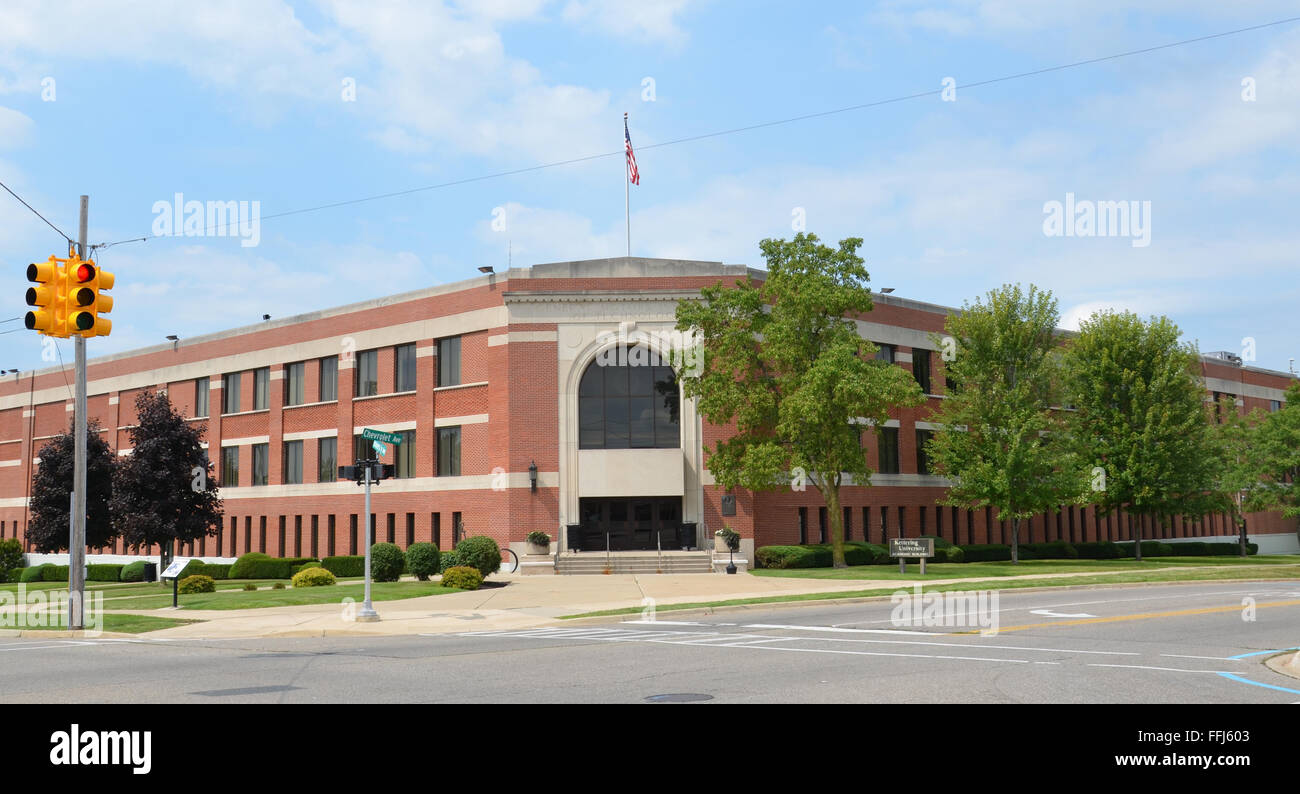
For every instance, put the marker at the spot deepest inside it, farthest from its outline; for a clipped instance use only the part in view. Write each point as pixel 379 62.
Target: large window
pixel 449 452
pixel 885 353
pixel 327 455
pixel 628 407
pixel 405 454
pixel 404 368
pixel 292 462
pixel 294 386
pixel 449 361
pixel 261 464
pixel 202 390
pixel 261 388
pixel 888 458
pixel 329 379
pixel 229 467
pixel 230 393
pixel 367 380
pixel 921 369
pixel 922 457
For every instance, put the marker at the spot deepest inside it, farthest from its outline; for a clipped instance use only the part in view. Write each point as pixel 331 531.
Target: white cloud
pixel 653 20
pixel 16 128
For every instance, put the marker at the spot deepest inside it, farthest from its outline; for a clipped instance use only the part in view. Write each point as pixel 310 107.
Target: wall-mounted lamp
pixel 485 269
pixel 886 290
pixel 532 475
pixel 174 339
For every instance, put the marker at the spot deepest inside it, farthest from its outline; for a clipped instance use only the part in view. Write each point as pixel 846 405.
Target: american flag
pixel 633 175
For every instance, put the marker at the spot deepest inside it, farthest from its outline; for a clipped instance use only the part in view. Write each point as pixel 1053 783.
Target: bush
pixel 249 587
pixel 386 562
pixel 214 570
pixel 313 577
pixel 133 572
pixel 462 577
pixel 14 575
pixel 103 573
pixel 1192 548
pixel 422 560
pixel 1098 550
pixel 939 543
pixel 949 554
pixel 1150 548
pixel 539 538
pixel 447 559
pixel 728 538
pixel 350 565
pixel 295 569
pixel 35 573
pixel 196 584
pixel 479 552
pixel 256 565
pixel 54 573
pixel 1052 550
pixel 987 552
pixel 278 586
pixel 11 555
pixel 786 557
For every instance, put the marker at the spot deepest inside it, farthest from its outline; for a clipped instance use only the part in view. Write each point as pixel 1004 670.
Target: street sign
pixel 911 547
pixel 380 435
pixel 380 447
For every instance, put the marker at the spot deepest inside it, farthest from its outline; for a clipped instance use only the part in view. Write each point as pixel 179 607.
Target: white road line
pixel 874 653
pixel 669 623
pixel 1187 656
pixel 845 631
pixel 980 646
pixel 1163 669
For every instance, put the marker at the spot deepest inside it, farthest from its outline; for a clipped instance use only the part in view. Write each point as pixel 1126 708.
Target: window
pixel 922 459
pixel 404 368
pixel 449 361
pixel 230 393
pixel 329 379
pixel 1274 406
pixel 294 375
pixel 803 526
pixel 261 388
pixel 621 407
pixel 405 454
pixel 327 456
pixel 229 467
pixel 367 380
pixel 448 451
pixel 888 458
pixel 885 353
pixel 202 389
pixel 921 369
pixel 261 463
pixel 292 462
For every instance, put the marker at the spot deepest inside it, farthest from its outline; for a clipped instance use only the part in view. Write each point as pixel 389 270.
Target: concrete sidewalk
pixel 514 602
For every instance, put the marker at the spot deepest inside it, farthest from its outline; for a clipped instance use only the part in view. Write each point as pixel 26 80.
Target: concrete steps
pixel 595 563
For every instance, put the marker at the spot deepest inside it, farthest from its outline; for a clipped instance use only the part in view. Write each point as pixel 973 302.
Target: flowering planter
pixel 536 548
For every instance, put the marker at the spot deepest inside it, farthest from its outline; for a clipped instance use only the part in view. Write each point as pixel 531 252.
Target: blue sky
pixel 244 101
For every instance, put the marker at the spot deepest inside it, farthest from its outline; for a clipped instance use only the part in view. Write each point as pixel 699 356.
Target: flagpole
pixel 627 189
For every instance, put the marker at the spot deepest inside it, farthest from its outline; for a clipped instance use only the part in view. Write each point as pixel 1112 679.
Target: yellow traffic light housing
pixel 49 298
pixel 85 300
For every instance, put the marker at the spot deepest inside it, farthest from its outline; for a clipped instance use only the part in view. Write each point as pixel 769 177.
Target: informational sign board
pixel 911 547
pixel 380 435
pixel 174 570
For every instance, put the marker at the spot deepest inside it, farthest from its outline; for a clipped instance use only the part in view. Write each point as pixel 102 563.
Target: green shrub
pixel 727 539
pixel 36 573
pixel 1051 550
pixel 350 565
pixel 987 552
pixel 313 577
pixel 103 573
pixel 539 538
pixel 278 586
pixel 54 573
pixel 447 559
pixel 462 577
pixel 256 565
pixel 422 560
pixel 479 552
pixel 949 554
pixel 1098 550
pixel 297 568
pixel 11 555
pixel 1150 548
pixel 249 587
pixel 1191 548
pixel 939 543
pixel 386 562
pixel 786 557
pixel 214 570
pixel 14 575
pixel 196 584
pixel 133 572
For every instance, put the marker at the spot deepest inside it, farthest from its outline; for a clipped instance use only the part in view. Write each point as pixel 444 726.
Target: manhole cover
pixel 681 697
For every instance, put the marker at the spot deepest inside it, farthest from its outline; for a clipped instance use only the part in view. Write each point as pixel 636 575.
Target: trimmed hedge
pixel 386 562
pixel 36 573
pixel 1150 548
pixel 1099 550
pixel 14 575
pixel 480 552
pixel 313 576
pixel 819 555
pixel 462 577
pixel 213 570
pixel 103 572
pixel 987 552
pixel 133 572
pixel 1229 548
pixel 256 565
pixel 939 543
pixel 1192 548
pixel 196 584
pixel 297 568
pixel 422 560
pixel 952 554
pixel 349 565
pixel 54 573
pixel 1051 550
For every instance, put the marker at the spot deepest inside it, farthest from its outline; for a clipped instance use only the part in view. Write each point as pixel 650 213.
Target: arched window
pixel 622 407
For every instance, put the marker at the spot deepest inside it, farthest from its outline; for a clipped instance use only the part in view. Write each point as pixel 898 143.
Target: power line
pixel 37 214
pixel 734 130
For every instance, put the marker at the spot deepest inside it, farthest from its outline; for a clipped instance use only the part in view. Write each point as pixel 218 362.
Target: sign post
pixel 902 548
pixel 173 572
pixel 365 472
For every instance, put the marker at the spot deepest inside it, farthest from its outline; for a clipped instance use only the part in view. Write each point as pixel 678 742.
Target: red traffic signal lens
pixel 84 273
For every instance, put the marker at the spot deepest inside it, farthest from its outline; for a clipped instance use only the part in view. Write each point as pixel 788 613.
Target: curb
pixel 65 634
pixel 1287 664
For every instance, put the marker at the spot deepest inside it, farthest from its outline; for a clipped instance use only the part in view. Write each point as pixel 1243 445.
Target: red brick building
pixel 488 377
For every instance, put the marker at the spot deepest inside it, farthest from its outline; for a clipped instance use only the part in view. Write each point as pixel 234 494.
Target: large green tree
pixel 1140 416
pixel 782 361
pixel 1237 474
pixel 1276 451
pixel 165 491
pixel 52 487
pixel 999 438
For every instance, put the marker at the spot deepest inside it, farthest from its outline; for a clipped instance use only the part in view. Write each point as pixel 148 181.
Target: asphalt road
pixel 1156 644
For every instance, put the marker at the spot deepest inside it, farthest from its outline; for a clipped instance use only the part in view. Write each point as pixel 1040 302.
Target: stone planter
pixel 536 548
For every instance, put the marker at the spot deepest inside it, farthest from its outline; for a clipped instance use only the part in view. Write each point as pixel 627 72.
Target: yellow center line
pixel 1142 616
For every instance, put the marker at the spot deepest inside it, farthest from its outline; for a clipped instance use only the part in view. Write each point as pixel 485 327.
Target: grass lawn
pixel 1266 571
pixel 977 569
pixel 239 599
pixel 127 624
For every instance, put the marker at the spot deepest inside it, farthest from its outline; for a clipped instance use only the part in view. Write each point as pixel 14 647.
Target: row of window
pixel 887 457
pixel 365 384
pixel 327 457
pixel 921 369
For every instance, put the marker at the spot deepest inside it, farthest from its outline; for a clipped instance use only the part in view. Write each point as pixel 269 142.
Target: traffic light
pixel 49 317
pixel 85 299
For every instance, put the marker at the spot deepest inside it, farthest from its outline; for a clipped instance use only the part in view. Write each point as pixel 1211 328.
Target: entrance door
pixel 630 523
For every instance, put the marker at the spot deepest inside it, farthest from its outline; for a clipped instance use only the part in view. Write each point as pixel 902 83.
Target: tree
pixel 783 361
pixel 164 490
pixel 1140 416
pixel 52 489
pixel 999 439
pixel 1237 473
pixel 1276 450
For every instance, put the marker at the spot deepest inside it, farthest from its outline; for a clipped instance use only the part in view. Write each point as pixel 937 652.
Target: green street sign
pixel 379 435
